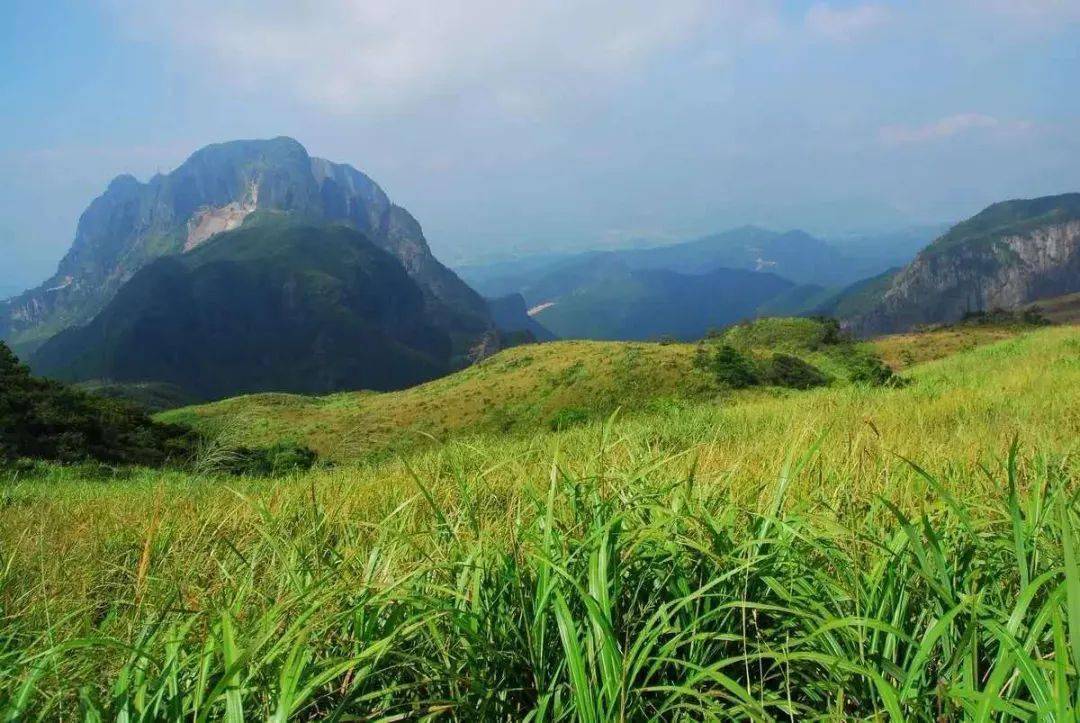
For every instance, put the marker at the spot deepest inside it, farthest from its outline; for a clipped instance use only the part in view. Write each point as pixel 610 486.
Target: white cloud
pixel 378 56
pixel 950 126
pixel 845 24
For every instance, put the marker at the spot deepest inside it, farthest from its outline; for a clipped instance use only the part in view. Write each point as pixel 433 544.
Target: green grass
pixel 517 391
pixel 522 390
pixel 769 557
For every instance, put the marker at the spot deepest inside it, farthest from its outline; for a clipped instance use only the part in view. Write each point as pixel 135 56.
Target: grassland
pixel 843 553
pixel 524 389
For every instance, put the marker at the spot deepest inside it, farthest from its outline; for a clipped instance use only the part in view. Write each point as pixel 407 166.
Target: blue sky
pixel 513 126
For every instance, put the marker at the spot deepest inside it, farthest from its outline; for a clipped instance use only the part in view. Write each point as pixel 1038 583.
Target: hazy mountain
pixel 511 314
pixel 794 255
pixel 631 303
pixel 218 189
pixel 1009 254
pixel 275 306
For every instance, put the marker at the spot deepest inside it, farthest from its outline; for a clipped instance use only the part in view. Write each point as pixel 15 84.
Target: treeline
pixel 44 419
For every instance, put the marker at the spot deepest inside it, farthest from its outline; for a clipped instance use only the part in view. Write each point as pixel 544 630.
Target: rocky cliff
pixel 1010 254
pixel 220 188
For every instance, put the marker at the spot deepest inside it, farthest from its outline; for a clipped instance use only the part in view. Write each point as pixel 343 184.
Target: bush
pixel 566 418
pixel 868 369
pixel 280 459
pixel 784 370
pixel 733 368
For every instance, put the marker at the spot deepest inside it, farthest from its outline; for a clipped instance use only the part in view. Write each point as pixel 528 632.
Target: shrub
pixel 868 369
pixel 732 368
pixel 277 460
pixel 784 370
pixel 566 418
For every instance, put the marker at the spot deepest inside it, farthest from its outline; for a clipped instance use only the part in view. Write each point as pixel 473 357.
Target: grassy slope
pixel 307 549
pixel 519 389
pixel 522 389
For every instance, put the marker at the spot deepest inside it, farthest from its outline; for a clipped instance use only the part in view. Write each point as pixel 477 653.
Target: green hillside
pixel 1009 218
pixel 277 305
pixel 518 390
pixel 534 387
pixel 767 557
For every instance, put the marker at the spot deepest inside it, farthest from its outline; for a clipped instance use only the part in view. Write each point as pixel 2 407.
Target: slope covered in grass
pixel 520 390
pixel 695 562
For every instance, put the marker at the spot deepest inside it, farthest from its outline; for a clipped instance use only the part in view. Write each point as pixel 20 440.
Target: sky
pixel 514 127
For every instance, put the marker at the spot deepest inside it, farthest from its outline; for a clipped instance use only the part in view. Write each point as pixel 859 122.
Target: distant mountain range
pixel 217 189
pixel 255 267
pixel 684 289
pixel 1010 254
pixel 794 255
pixel 624 303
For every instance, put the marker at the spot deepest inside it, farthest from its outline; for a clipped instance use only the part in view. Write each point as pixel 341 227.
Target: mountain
pixel 794 255
pixel 626 303
pixel 220 188
pixel 1010 254
pixel 511 314
pixel 276 305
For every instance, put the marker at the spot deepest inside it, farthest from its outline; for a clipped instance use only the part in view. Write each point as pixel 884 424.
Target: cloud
pixel 845 24
pixel 950 126
pixel 382 56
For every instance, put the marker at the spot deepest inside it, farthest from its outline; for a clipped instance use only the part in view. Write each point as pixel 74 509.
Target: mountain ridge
pixel 1007 255
pixel 218 188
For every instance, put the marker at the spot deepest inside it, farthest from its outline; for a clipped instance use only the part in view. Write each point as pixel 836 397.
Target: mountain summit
pixel 220 188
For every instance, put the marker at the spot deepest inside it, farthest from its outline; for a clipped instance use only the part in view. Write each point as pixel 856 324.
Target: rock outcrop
pixel 1009 255
pixel 220 188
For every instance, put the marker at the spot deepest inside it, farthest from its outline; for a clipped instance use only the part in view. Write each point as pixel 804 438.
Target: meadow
pixel 904 552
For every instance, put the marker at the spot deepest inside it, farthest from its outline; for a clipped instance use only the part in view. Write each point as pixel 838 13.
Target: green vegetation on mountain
pixel 279 306
pixel 523 389
pixel 627 304
pixel 1009 255
pixel 1009 218
pixel 846 552
pixel 219 188
pixel 858 298
pixel 43 419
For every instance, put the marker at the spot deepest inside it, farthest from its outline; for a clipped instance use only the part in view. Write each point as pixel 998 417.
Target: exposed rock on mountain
pixel 1010 254
pixel 217 189
pixel 279 306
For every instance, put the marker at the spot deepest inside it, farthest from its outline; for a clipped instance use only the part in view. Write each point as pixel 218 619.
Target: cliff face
pixel 217 189
pixel 981 266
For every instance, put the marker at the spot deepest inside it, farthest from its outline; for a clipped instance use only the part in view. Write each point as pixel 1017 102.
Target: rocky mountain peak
pixel 217 189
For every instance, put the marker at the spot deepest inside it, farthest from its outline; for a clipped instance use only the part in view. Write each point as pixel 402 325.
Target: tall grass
pixel 777 560
pixel 609 597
